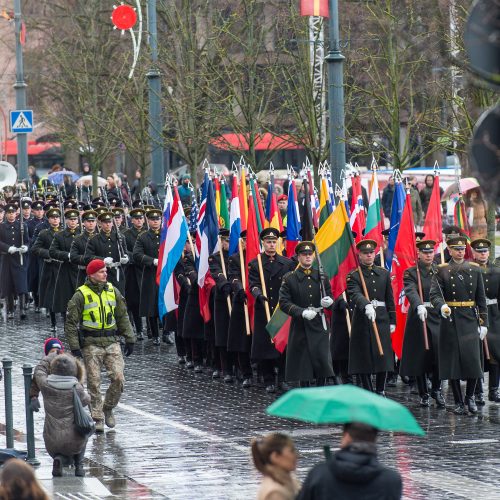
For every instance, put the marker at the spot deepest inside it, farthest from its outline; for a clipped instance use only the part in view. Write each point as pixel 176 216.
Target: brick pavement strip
pixel 180 435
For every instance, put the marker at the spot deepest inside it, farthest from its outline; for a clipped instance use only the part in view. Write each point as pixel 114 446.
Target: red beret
pixel 94 266
pixel 282 197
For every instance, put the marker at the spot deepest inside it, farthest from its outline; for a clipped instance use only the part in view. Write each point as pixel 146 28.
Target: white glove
pixel 482 330
pixel 23 249
pixel 124 259
pixel 326 302
pixel 422 312
pixel 13 250
pixel 392 329
pixel 108 261
pixel 155 262
pixel 370 312
pixel 69 257
pixel 309 314
pixel 445 311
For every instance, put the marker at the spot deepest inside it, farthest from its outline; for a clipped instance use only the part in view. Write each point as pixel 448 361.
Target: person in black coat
pixel 274 267
pixel 222 298
pixel 416 361
pixel 48 274
pixel 339 340
pixel 145 255
pixel 133 273
pixel 364 357
pixel 14 240
pixel 301 297
pixel 353 472
pixel 239 340
pixel 109 246
pixel 78 250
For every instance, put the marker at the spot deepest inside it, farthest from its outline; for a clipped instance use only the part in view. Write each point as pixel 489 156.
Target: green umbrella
pixel 342 404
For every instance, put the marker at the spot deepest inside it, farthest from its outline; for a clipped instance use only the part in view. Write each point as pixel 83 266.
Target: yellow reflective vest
pixel 99 310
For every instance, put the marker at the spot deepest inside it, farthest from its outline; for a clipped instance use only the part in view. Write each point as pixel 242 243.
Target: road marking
pixel 459 485
pixel 474 441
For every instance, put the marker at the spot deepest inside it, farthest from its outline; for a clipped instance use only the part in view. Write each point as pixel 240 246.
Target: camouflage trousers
pixel 95 357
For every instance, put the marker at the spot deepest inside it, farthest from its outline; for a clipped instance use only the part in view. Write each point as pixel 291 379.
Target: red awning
pixel 263 142
pixel 33 147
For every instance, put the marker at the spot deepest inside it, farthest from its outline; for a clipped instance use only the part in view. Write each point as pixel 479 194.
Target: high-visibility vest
pixel 99 310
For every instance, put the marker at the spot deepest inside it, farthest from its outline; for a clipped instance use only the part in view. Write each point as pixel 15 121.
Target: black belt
pixel 99 333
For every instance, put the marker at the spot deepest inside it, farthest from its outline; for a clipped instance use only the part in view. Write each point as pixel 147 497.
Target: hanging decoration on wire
pixel 124 17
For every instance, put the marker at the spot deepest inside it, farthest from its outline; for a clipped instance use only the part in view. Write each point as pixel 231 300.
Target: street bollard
pixel 30 426
pixel 9 418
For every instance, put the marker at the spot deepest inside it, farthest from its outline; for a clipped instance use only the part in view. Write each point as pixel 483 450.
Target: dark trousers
pixel 244 364
pixel 226 360
pixel 494 377
pixel 153 325
pixel 197 348
pixel 267 370
pixel 366 381
pixel 457 390
pixel 136 319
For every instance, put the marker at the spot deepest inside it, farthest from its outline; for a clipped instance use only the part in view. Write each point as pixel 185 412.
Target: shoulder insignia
pixel 474 264
pixel 289 273
pixel 443 265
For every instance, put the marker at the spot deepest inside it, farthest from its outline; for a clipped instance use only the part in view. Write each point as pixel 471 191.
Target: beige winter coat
pixel 273 490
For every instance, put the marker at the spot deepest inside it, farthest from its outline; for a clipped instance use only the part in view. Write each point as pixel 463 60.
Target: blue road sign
pixel 21 121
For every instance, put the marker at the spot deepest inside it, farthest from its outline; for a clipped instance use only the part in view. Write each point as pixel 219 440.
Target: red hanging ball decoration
pixel 124 17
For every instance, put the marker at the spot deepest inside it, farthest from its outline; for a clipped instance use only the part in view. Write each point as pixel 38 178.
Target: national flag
pixel 243 199
pixel 259 211
pixel 252 249
pixel 292 220
pixel 193 215
pixel 335 244
pixel 460 218
pixel 279 328
pixel 223 211
pixel 433 225
pixel 398 203
pixel 325 207
pixel 172 240
pixel 206 241
pixel 307 223
pixel 234 219
pixel 273 218
pixel 313 200
pixel 216 184
pixel 316 8
pixel 405 256
pixel 358 216
pixel 374 224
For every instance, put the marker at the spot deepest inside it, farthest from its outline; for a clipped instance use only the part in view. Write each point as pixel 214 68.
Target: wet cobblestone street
pixel 182 435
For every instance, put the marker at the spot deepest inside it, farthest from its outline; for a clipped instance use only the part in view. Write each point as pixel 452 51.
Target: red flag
pixel 405 256
pixel 252 249
pixel 358 215
pixel 317 8
pixel 433 225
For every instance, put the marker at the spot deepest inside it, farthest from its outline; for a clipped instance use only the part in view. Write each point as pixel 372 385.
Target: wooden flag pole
pixel 263 286
pixel 223 265
pixel 347 317
pixel 244 284
pixel 381 253
pixel 441 251
pixel 421 294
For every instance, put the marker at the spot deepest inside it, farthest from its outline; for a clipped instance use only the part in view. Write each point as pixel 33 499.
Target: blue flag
pixel 398 203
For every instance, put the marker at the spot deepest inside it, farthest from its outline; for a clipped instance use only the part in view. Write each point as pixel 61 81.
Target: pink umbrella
pixel 466 184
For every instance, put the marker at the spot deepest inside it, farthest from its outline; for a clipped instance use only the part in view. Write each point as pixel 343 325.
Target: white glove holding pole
pixel 370 312
pixel 422 312
pixel 309 314
pixel 482 330
pixel 445 311
pixel 326 301
pixel 124 259
pixel 155 262
pixel 108 261
pixel 23 249
pixel 13 250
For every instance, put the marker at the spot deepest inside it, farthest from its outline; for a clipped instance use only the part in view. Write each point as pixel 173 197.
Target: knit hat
pixel 52 343
pixel 94 266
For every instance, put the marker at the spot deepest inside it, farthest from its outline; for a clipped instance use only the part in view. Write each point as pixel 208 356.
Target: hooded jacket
pixel 353 473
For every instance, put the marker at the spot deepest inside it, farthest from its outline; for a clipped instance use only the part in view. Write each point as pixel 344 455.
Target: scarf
pixel 61 381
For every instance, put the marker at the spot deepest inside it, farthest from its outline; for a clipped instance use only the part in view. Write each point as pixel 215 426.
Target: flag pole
pixel 223 265
pixel 244 284
pixel 421 294
pixel 347 317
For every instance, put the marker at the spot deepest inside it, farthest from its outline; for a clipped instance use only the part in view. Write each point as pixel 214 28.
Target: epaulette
pixel 444 264
pixel 285 276
pixel 474 264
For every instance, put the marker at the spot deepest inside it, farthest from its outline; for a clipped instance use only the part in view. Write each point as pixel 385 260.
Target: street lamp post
pixel 20 86
pixel 335 62
pixel 155 119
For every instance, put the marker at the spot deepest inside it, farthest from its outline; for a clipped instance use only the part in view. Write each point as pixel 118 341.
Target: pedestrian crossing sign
pixel 21 121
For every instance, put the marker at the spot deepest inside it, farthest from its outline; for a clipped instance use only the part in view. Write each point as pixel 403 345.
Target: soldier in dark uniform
pixel 14 240
pixel 145 255
pixel 274 267
pixel 457 292
pixel 67 272
pixel 78 248
pixel 301 297
pixel 109 246
pixel 48 274
pixel 238 340
pixel 416 361
pixel 339 340
pixel 133 273
pixel 364 356
pixel 120 221
pixel 491 279
pixel 223 291
pixel 36 223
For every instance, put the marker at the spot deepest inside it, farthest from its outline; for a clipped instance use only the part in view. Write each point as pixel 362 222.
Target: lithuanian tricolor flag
pixel 279 328
pixel 325 208
pixel 335 245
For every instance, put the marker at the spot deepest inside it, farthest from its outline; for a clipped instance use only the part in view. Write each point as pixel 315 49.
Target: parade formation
pixel 250 300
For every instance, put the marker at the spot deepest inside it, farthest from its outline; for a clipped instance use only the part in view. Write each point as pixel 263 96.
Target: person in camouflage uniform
pixel 96 317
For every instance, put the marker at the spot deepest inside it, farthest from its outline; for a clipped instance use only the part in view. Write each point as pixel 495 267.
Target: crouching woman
pixel 56 375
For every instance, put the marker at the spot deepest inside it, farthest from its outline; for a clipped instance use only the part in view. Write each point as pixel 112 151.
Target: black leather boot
pixel 457 395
